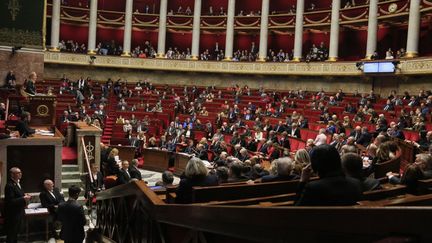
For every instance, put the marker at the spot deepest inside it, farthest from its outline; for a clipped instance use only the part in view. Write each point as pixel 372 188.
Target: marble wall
pixel 23 62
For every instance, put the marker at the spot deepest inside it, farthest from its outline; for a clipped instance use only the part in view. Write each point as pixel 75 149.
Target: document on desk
pixel 45 133
pixel 29 211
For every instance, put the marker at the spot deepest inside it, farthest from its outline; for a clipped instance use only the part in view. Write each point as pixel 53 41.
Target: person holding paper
pixel 15 203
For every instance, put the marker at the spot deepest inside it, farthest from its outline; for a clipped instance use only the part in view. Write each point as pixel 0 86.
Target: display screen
pixel 378 67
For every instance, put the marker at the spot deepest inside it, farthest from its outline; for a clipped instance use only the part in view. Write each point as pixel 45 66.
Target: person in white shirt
pixel 321 138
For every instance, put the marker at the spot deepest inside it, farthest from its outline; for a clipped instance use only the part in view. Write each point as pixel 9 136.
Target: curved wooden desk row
pixel 161 160
pixel 152 220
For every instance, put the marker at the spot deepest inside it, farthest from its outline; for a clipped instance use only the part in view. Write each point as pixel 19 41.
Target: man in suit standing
pixel 50 197
pixel 15 203
pixel 71 215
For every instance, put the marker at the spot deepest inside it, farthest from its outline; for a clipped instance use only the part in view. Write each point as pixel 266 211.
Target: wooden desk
pixel 158 160
pixel 92 138
pixel 125 152
pixel 38 157
pixel 32 214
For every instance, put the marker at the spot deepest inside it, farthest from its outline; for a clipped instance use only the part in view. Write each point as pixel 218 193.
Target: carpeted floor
pixel 69 155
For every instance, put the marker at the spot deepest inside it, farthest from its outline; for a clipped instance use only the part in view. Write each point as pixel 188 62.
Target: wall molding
pixel 407 66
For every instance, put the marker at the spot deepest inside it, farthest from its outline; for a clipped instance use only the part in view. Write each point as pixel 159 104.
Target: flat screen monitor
pixel 378 67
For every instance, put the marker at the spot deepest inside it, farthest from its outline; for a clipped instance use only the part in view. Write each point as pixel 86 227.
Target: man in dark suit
pixel 71 215
pixel 294 131
pixel 124 176
pixel 15 203
pixel 134 171
pixel 50 197
pixel 333 188
pixel 365 137
pixel 23 125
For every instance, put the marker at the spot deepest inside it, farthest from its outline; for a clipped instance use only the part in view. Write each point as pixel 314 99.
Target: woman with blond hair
pixel 112 167
pixel 301 159
pixel 195 174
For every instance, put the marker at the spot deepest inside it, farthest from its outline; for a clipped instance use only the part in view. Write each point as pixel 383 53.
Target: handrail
pixel 87 160
pixel 138 208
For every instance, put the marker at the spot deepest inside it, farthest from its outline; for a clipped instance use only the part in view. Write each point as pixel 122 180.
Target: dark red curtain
pixel 216 4
pixel 108 34
pixel 352 44
pixel 248 5
pixel 208 41
pixel 140 5
pixel 425 46
pixel 78 33
pixel 117 5
pixel 175 4
pixel 282 6
pixel 311 37
pixel 139 36
pixel 181 40
pixel 243 41
pixel 278 41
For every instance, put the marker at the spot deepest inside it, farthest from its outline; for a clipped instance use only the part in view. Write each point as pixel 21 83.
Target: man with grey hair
pixel 15 203
pixel 50 197
pixel 284 167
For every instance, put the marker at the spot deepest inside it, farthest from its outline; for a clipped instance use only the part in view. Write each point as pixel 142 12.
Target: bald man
pixel 50 197
pixel 15 203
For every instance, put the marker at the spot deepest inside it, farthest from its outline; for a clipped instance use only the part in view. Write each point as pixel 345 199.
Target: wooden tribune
pixel 42 109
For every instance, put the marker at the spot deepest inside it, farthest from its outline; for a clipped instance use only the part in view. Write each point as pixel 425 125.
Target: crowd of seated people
pixel 72 46
pixel 317 53
pixel 247 147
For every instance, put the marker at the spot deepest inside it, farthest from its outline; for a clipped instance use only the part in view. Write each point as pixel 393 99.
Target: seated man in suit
pixel 23 125
pixel 50 197
pixel 124 176
pixel 134 171
pixel 284 168
pixel 333 188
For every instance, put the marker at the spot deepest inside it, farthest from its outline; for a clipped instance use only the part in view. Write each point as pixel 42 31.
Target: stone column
pixel 229 40
pixel 264 30
pixel 334 31
pixel 91 47
pixel 196 30
pixel 127 35
pixel 372 29
pixel 162 28
pixel 298 38
pixel 55 25
pixel 413 29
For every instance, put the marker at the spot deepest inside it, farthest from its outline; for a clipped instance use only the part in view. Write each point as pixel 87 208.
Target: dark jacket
pixel 184 190
pixel 336 190
pixel 14 209
pixel 23 128
pixel 94 187
pixel 123 177
pixel 71 215
pixel 135 173
pixel 48 201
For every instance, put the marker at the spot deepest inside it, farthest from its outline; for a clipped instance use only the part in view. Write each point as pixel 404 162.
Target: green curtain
pixel 22 23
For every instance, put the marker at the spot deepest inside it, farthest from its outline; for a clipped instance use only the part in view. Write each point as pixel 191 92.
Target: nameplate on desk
pixel 31 211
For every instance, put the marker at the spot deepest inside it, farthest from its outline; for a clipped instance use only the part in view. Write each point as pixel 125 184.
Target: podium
pixel 42 110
